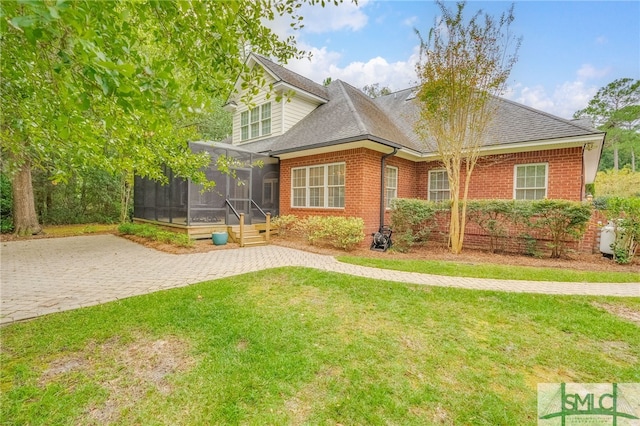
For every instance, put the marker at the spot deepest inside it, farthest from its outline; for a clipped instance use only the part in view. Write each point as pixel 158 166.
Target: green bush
pixel 493 217
pixel 340 232
pixel 285 223
pixel 560 221
pixel 411 221
pixel 155 233
pixel 625 214
pixel 6 205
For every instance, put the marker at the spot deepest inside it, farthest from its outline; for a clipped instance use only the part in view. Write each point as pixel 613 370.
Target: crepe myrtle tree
pixel 118 85
pixel 463 64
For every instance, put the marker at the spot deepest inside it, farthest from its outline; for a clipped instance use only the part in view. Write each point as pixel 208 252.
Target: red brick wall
pixel 492 179
pixel 362 186
pixel 492 176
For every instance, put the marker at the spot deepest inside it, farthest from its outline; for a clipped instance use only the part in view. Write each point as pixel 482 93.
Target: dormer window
pixel 255 122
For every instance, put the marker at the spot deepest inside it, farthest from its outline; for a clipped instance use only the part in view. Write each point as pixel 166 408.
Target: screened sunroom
pixel 251 189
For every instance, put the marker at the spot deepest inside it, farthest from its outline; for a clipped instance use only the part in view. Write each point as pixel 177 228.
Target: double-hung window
pixel 530 181
pixel 318 186
pixel 439 185
pixel 390 185
pixel 255 122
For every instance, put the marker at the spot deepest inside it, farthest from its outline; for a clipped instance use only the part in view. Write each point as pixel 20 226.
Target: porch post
pixel 268 228
pixel 241 229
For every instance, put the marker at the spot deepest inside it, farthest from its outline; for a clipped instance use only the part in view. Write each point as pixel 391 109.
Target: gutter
pixel 382 194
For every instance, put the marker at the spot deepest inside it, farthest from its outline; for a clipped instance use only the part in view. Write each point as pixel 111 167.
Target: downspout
pixel 382 194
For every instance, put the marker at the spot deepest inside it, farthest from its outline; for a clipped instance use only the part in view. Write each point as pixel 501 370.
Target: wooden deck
pixel 245 235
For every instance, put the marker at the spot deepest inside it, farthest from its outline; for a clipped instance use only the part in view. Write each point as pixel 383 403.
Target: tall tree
pixel 375 91
pixel 119 85
pixel 615 109
pixel 463 65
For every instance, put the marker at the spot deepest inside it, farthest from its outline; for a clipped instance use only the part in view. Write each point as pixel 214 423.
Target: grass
pixel 301 346
pixel 486 270
pixel 155 233
pixel 79 229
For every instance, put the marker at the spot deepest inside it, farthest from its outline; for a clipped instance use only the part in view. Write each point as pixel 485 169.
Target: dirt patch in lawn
pixel 126 371
pixel 624 312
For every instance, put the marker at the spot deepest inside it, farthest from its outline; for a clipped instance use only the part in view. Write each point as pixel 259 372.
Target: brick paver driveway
pixel 43 276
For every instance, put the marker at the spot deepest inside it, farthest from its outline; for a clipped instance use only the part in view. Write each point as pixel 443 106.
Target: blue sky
pixel 569 49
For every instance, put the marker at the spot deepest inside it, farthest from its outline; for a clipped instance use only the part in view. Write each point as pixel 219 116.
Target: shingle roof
pixel 350 115
pixel 292 78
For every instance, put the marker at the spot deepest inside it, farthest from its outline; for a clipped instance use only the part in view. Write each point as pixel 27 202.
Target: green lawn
pixel 486 270
pixel 301 346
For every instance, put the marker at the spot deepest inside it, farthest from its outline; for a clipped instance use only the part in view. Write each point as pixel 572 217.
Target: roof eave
pixel 368 141
pixel 284 86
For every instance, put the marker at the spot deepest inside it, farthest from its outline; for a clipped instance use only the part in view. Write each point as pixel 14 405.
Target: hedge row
pixel 558 221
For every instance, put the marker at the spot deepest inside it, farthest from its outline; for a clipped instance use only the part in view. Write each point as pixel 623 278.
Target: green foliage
pixel 615 109
pixel 463 64
pixel 88 196
pixel 492 216
pixel 411 221
pixel 560 221
pixel 121 86
pixel 284 223
pixel 622 183
pixel 340 232
pixel 375 91
pixel 155 233
pixel 625 215
pixel 6 199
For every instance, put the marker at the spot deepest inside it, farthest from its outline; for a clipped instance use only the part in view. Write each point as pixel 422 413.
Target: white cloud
pixel 411 21
pixel 395 75
pixel 566 98
pixel 318 20
pixel 589 72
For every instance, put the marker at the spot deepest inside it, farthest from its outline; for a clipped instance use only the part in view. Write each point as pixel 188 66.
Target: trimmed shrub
pixel 412 221
pixel 492 216
pixel 560 221
pixel 285 224
pixel 155 233
pixel 345 233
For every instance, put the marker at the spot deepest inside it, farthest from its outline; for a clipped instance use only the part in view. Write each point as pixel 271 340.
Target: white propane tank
pixel 607 238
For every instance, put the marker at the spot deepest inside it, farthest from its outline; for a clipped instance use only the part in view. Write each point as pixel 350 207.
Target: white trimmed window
pixel 318 186
pixel 439 185
pixel 390 185
pixel 255 122
pixel 530 181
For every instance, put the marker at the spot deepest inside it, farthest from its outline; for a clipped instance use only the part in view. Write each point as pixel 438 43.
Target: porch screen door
pixel 239 194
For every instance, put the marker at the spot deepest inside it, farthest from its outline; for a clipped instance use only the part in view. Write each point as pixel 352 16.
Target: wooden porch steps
pixel 251 236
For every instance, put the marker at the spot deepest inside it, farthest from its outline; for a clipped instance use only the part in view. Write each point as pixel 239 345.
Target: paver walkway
pixel 43 276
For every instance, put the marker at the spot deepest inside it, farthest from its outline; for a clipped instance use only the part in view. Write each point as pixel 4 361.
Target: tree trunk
pixel 615 158
pixel 25 219
pixel 633 160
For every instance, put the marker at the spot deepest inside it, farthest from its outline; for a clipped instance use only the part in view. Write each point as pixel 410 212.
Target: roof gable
pixel 349 115
pixel 290 78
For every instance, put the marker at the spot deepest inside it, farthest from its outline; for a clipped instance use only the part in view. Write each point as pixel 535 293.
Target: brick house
pixel 335 151
pixel 344 153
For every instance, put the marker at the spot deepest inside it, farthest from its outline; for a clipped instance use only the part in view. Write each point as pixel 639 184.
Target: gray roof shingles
pixel 350 115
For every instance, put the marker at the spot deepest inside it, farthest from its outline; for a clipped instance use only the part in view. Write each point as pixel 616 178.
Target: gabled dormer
pixel 282 100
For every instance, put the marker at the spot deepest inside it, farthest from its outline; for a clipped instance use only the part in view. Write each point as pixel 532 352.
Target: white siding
pixel 284 113
pixel 259 99
pixel 296 110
